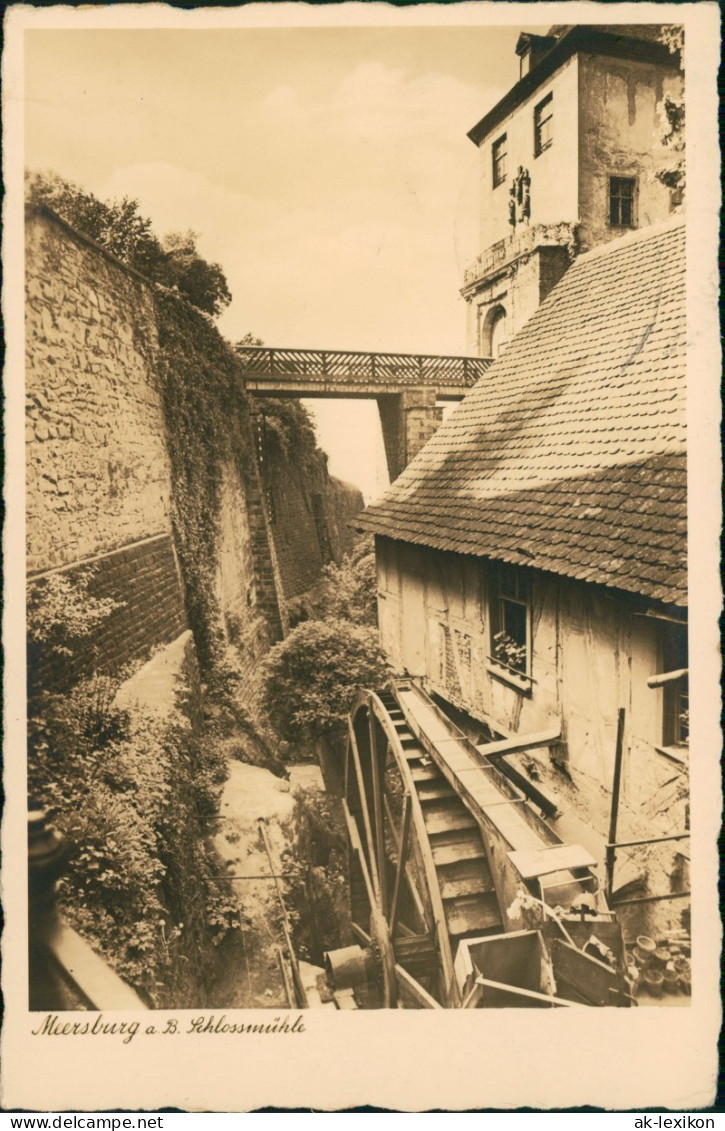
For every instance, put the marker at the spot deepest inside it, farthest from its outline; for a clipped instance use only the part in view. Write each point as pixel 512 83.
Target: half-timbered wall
pixel 592 652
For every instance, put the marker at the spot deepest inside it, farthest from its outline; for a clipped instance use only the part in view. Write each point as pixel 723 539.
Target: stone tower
pixel 568 160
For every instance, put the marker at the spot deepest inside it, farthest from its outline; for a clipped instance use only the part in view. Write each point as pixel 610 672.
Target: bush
pixel 133 796
pixel 118 226
pixel 289 432
pixel 349 591
pixel 316 874
pixel 310 679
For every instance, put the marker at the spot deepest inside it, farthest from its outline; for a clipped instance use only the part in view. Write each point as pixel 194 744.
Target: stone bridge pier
pixel 408 420
pixel 408 388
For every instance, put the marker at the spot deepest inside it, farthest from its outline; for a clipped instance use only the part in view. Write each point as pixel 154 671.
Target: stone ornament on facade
pixel 520 197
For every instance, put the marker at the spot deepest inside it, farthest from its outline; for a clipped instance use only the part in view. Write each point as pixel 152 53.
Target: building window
pixel 510 611
pixel 543 125
pixel 621 201
pixel 498 156
pixel 675 699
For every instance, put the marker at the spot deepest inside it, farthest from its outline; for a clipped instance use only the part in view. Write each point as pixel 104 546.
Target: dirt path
pixel 250 976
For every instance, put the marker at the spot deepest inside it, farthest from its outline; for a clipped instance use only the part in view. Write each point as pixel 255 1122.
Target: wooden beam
pixel 518 742
pixel 610 853
pixel 86 972
pixel 361 935
pixel 378 813
pixel 419 905
pixel 391 820
pixel 402 857
pixel 407 983
pixel 473 997
pixel 365 812
pixel 666 677
pixel 354 834
pixel 532 995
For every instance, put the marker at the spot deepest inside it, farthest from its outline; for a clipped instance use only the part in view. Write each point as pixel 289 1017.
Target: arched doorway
pixel 495 333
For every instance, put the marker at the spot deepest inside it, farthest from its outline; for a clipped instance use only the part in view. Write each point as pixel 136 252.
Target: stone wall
pixel 98 470
pixel 308 511
pixel 519 288
pixel 143 580
pixel 99 489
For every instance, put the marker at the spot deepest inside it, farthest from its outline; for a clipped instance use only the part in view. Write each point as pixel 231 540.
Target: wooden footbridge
pixel 408 388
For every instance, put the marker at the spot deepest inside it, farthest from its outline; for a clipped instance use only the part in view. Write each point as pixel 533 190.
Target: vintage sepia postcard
pixel 362 591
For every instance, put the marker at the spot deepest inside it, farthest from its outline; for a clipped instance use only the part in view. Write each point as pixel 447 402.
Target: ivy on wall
pixel 208 420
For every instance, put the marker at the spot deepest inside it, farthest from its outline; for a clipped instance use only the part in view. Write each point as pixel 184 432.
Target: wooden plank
pixel 518 742
pixel 435 791
pixel 409 985
pixel 345 999
pixel 531 994
pixel 473 913
pixel 465 877
pixel 426 773
pixel 464 846
pixel 458 761
pixel 537 796
pixel 556 858
pixel 581 974
pixel 447 820
pixel 92 978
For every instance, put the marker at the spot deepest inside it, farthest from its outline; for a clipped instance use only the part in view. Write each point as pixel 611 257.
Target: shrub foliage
pixel 350 589
pixel 310 679
pixel 133 795
pixel 118 226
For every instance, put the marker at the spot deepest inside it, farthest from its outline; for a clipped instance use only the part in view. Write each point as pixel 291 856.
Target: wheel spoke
pixel 402 860
pixel 364 805
pixel 378 811
pixel 354 834
pixel 412 887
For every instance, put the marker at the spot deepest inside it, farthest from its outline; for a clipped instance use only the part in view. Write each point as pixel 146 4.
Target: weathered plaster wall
pixel 591 654
pixel 605 123
pixel 619 136
pixel 520 289
pixel 554 188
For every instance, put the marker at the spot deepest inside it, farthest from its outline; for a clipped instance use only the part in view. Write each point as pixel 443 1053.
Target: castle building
pixel 568 160
pixel 532 558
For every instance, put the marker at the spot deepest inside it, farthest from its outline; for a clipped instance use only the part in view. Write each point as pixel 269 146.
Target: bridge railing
pixel 358 367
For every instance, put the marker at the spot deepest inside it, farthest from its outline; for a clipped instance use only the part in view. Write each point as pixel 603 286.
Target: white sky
pixel 326 169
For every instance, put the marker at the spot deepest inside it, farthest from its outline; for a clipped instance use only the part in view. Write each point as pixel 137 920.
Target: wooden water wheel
pixel 419 877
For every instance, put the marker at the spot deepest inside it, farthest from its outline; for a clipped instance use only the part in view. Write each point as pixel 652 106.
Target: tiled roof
pixel 569 455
